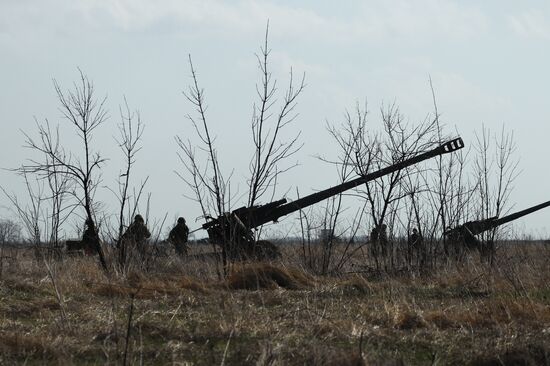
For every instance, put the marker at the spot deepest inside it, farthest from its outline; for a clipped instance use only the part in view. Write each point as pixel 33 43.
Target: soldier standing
pixel 179 236
pixel 136 234
pixel 374 242
pixel 90 238
pixel 415 246
pixel 379 241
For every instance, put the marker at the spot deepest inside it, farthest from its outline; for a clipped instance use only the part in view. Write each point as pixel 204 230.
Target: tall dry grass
pixel 277 313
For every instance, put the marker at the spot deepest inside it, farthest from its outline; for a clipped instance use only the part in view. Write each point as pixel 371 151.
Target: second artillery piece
pixel 465 234
pixel 233 230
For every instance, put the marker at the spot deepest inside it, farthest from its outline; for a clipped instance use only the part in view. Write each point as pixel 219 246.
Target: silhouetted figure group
pixel 133 239
pixel 380 247
pixel 137 235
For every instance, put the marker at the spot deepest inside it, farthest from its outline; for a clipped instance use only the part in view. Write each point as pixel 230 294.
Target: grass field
pixel 179 312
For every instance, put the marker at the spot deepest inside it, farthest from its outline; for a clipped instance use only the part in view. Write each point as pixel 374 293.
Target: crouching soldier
pixel 178 236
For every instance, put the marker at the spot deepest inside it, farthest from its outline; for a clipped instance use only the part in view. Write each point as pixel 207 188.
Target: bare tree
pixel 203 176
pixel 495 171
pixel 407 198
pixel 10 233
pixel 129 141
pixel 398 141
pixel 203 173
pixel 331 226
pixel 58 189
pixel 208 183
pixel 440 198
pixel 270 151
pixel 84 113
pixel 29 213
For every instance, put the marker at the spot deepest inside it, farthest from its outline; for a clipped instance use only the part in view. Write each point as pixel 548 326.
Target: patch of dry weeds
pixel 257 276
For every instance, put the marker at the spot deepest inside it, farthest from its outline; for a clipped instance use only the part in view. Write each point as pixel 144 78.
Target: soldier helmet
pixel 181 220
pixel 138 218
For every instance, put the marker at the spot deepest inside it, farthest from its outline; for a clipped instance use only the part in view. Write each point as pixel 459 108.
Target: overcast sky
pixel 488 62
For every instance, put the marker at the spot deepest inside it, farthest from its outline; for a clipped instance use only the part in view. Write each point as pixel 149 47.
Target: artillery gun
pixel 233 230
pixel 466 233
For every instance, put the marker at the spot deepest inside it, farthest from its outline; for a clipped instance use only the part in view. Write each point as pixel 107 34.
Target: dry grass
pixel 278 314
pixel 258 276
pixel 440 319
pixel 143 287
pixel 407 319
pixel 27 345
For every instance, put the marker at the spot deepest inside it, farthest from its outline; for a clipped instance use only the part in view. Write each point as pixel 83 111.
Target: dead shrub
pixel 324 329
pixel 269 355
pixel 136 279
pixel 19 285
pixel 25 345
pixel 355 285
pixel 439 319
pixel 334 357
pixel 266 276
pixel 19 309
pixel 26 309
pixel 146 288
pixel 80 270
pixel 191 284
pixel 160 332
pixel 106 337
pixel 474 318
pixel 405 319
pixel 505 311
pixel 531 355
pixel 110 290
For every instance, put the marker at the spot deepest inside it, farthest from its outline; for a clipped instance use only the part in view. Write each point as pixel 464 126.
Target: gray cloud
pixel 374 21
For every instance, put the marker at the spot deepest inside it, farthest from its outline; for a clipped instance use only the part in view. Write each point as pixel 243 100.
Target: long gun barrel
pixel 478 227
pixel 517 215
pixel 285 209
pixel 234 230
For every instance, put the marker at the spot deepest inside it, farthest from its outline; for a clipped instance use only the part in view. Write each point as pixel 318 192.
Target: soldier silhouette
pixel 90 237
pixel 179 236
pixel 414 239
pixel 379 240
pixel 136 234
pixel 415 246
